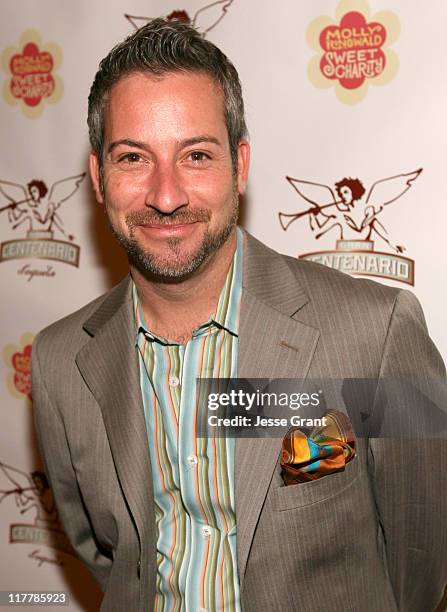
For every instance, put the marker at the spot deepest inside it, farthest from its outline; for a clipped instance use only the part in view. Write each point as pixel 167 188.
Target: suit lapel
pixel 272 344
pixel 109 365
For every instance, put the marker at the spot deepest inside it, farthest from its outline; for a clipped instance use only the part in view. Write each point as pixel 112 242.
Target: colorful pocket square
pixel 327 449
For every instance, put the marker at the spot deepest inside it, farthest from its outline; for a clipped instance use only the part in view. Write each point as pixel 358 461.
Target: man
pixel 165 519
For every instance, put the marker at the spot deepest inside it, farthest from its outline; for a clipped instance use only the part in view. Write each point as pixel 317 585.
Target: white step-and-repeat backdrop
pixel 346 105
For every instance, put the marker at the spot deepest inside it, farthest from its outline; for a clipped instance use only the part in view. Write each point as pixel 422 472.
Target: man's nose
pixel 166 192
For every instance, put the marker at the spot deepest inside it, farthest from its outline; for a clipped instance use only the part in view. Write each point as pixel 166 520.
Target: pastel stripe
pixel 193 478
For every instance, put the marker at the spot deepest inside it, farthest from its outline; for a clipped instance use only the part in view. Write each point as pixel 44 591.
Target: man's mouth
pixel 168 230
pixel 180 224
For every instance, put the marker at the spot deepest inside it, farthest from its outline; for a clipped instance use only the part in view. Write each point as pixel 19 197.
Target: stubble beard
pixel 176 268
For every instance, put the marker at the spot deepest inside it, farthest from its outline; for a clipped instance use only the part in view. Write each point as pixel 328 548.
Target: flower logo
pixel 31 69
pixel 353 51
pixel 18 358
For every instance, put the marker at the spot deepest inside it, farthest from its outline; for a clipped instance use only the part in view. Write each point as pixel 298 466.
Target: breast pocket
pixel 308 493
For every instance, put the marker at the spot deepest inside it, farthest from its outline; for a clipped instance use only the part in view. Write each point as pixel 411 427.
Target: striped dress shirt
pixel 193 478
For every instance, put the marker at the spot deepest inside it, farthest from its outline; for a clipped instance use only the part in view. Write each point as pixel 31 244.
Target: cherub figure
pixel 35 205
pixel 204 20
pixel 347 211
pixel 30 491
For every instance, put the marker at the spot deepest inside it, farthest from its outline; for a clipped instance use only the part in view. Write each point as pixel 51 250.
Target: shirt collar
pixel 226 315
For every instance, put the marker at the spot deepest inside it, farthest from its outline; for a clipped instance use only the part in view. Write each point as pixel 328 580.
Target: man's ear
pixel 95 176
pixel 243 163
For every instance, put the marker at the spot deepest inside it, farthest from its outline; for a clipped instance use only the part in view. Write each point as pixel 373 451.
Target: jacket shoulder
pixel 313 274
pixel 70 332
pixel 329 287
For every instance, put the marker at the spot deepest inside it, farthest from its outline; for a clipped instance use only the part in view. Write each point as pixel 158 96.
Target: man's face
pixel 169 190
pixel 34 193
pixel 346 194
pixel 39 483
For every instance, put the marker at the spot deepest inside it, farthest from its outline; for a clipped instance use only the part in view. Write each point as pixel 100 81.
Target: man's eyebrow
pixel 188 142
pixel 198 139
pixel 128 142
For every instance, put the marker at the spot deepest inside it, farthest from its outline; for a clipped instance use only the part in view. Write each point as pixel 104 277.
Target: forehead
pixel 174 101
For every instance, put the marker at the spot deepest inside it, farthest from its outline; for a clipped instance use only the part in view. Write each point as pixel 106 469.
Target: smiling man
pixel 172 198
pixel 170 187
pixel 166 519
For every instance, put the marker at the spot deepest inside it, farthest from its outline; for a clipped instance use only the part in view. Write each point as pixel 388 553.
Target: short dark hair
pixel 160 47
pixel 354 185
pixel 41 476
pixel 43 189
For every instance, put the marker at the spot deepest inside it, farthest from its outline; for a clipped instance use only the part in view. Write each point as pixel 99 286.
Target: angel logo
pixel 38 208
pixel 354 220
pixel 31 493
pixel 204 20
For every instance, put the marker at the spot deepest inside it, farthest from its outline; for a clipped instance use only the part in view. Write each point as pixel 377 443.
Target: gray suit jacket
pixel 370 538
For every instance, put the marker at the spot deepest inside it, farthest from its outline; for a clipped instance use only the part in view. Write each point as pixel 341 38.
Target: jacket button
pixel 138 569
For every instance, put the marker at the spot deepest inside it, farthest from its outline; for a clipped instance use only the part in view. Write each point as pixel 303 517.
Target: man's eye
pixel 130 158
pixel 198 156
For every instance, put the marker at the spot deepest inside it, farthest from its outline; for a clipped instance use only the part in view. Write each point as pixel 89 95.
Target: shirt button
pixel 192 460
pixel 173 381
pixel 206 532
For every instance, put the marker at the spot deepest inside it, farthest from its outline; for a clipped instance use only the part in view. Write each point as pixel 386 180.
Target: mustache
pixel 148 217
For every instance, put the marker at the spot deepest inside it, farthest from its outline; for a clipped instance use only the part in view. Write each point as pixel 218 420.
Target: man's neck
pixel 174 310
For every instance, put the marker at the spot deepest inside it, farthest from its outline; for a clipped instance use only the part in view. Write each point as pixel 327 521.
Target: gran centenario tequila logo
pixel 31 495
pixel 354 216
pixel 37 207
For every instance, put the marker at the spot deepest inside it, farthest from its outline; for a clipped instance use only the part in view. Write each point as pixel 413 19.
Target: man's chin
pixel 162 270
pixel 177 263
